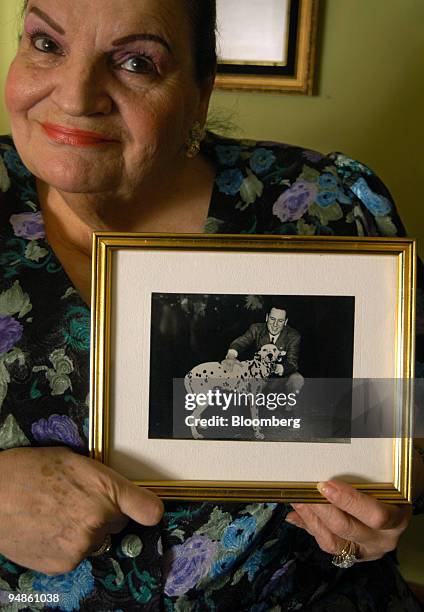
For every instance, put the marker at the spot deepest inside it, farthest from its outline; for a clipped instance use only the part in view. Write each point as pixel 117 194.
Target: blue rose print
pixel 14 163
pixel 326 198
pixel 239 533
pixel 10 333
pixel 230 181
pixel 328 181
pixel 261 160
pixel 72 587
pixel 253 564
pixel 57 428
pixel 377 204
pixel 222 565
pixel 187 563
pixel 27 193
pixel 347 165
pixel 228 154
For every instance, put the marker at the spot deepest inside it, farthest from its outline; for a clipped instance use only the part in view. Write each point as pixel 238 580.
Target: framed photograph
pixel 231 367
pixel 267 45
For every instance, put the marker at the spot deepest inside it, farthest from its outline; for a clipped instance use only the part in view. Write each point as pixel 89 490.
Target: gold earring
pixel 195 138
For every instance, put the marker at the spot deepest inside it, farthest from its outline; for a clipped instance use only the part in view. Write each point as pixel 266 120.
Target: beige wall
pixel 369 104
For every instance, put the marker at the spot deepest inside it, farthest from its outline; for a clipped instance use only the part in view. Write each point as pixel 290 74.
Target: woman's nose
pixel 80 89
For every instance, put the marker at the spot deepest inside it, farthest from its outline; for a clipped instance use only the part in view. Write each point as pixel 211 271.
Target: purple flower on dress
pixel 28 225
pixel 57 428
pixel 295 201
pixel 271 586
pixel 187 563
pixel 10 333
pixel 312 156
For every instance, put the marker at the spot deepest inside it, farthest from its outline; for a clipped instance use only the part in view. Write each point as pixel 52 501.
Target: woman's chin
pixel 71 179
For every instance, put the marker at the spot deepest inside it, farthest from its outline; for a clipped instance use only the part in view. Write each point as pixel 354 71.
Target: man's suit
pixel 257 335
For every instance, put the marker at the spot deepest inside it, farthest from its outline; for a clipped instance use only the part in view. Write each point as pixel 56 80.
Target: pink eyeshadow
pixel 161 60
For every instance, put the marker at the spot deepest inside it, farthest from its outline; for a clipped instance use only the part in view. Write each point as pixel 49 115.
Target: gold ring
pixel 104 548
pixel 348 556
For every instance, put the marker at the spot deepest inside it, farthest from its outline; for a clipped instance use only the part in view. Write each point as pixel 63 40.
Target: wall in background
pixel 369 104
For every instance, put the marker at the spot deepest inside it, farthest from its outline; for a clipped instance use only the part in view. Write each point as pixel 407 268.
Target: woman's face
pixel 102 93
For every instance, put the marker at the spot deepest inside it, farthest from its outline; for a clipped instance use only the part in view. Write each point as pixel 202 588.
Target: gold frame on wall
pixel 301 80
pixel 106 245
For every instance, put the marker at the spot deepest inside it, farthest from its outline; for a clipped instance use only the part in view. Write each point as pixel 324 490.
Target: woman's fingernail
pixel 292 521
pixel 327 489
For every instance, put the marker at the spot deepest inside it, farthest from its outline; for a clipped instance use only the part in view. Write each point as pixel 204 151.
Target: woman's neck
pixel 70 219
pixel 181 207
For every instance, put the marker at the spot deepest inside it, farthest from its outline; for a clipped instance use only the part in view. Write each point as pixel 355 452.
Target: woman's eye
pixel 140 64
pixel 45 44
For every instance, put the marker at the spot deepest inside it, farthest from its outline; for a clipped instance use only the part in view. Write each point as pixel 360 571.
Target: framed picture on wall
pixel 282 357
pixel 267 45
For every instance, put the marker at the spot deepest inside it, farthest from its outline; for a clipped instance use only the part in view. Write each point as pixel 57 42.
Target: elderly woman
pixel 108 100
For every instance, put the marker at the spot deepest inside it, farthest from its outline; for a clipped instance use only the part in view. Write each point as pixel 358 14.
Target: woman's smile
pixel 61 134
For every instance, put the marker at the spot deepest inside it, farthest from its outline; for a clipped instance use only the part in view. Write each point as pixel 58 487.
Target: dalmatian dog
pixel 244 377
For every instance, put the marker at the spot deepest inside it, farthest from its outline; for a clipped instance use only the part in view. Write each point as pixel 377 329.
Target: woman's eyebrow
pixel 133 37
pixel 116 43
pixel 47 19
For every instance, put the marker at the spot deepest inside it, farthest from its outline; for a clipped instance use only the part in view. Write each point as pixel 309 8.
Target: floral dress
pixel 202 556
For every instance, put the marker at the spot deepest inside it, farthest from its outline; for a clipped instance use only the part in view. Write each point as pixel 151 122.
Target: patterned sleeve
pixel 375 214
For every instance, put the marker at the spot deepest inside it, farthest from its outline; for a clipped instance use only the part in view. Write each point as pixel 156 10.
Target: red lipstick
pixel 74 137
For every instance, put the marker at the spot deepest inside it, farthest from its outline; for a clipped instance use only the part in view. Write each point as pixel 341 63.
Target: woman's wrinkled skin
pixel 141 94
pixel 58 506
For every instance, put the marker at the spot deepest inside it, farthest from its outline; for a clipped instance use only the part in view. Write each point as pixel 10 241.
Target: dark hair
pixel 277 307
pixel 203 25
pixel 202 15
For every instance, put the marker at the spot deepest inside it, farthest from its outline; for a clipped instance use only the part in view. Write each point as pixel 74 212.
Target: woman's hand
pixel 374 526
pixel 57 507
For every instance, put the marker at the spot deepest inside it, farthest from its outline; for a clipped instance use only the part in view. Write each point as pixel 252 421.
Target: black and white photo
pixel 258 350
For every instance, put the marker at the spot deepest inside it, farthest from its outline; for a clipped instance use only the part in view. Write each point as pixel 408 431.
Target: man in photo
pixel 274 330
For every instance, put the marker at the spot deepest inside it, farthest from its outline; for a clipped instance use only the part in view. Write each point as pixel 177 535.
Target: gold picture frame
pixel 285 69
pixel 128 269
